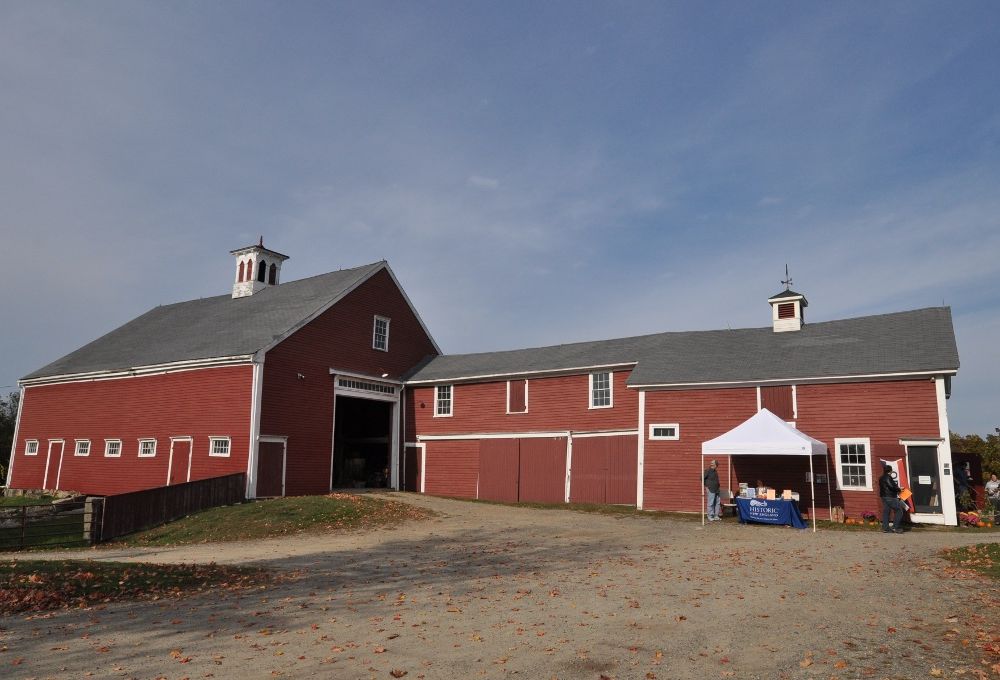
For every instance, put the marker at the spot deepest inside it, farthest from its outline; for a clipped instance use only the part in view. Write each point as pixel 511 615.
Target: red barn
pixel 296 384
pixel 334 381
pixel 623 421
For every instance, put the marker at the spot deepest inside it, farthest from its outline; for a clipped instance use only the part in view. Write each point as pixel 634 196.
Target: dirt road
pixel 491 591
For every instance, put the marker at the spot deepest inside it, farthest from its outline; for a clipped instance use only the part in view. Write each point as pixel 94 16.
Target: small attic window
pixel 262 271
pixel 272 274
pixel 786 310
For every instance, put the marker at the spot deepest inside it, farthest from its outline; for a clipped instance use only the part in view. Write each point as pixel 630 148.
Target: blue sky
pixel 535 173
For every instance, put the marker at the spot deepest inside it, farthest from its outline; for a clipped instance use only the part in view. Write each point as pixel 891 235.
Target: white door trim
pixel 396 411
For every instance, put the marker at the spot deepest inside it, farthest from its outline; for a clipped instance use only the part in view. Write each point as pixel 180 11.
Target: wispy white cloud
pixel 480 182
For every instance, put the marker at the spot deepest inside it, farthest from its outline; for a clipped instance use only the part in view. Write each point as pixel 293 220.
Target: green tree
pixel 988 449
pixel 8 419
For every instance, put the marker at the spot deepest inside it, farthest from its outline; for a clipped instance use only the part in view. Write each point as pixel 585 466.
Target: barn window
pixel 517 396
pixel 669 432
pixel 262 271
pixel 380 334
pixel 272 274
pixel 147 448
pixel 442 400
pixel 112 448
pixel 786 310
pixel 600 390
pixel 242 272
pixel 218 446
pixel 853 464
pixel 31 447
pixel 82 447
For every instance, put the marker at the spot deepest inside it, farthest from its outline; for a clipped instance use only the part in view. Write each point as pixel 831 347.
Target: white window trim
pixel 375 334
pixel 675 437
pixel 27 443
pixel 211 446
pixel 611 390
pixel 107 446
pixel 147 455
pixel 451 401
pixel 509 412
pixel 76 448
pixel 868 463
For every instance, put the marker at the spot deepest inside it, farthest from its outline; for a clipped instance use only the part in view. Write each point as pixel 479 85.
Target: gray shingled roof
pixel 918 340
pixel 210 327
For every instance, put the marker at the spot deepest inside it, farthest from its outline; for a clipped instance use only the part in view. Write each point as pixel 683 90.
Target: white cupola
pixel 256 269
pixel 787 310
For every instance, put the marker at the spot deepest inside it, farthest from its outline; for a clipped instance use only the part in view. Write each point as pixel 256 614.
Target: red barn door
pixel 270 469
pixel 498 469
pixel 604 470
pixel 543 470
pixel 180 461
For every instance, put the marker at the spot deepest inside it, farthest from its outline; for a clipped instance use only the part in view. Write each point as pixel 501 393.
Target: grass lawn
pixel 7 501
pixel 983 558
pixel 38 585
pixel 279 517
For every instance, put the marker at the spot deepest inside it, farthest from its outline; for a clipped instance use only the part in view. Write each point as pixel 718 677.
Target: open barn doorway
pixel 362 444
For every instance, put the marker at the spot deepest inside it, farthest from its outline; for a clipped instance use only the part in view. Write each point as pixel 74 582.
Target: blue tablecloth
pixel 778 511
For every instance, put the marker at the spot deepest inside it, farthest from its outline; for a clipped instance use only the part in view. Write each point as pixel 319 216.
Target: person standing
pixel 714 501
pixel 993 495
pixel 889 490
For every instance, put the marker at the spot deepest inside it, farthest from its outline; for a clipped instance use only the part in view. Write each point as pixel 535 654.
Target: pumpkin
pixel 980 524
pixel 849 521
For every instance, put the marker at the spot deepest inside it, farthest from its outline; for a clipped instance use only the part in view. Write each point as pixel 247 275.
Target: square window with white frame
pixel 443 401
pixel 147 448
pixel 31 447
pixel 665 432
pixel 380 334
pixel 600 390
pixel 853 464
pixel 82 447
pixel 112 448
pixel 218 446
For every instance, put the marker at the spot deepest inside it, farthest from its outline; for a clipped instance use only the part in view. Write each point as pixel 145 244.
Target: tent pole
pixel 703 489
pixel 812 491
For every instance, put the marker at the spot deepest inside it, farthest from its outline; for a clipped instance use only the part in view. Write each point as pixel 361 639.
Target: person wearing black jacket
pixel 889 490
pixel 714 500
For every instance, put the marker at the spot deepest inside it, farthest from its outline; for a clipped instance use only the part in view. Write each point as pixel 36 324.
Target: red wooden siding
pixel 778 400
pixel 543 470
pixel 341 337
pixel 604 470
pixel 499 469
pixel 880 411
pixel 555 404
pixel 672 470
pixel 198 404
pixel 270 458
pixel 452 468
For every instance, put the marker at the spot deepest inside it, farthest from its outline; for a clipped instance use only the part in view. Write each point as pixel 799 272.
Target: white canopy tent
pixel 765 434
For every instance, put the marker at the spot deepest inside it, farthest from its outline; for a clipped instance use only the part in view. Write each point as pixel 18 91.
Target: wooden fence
pixel 69 522
pixel 130 512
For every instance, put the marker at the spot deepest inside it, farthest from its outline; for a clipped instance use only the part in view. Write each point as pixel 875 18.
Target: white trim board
pixel 524 435
pixel 576 370
pixel 137 371
pixel 819 380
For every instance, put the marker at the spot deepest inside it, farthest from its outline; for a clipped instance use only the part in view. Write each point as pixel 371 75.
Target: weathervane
pixel 788 279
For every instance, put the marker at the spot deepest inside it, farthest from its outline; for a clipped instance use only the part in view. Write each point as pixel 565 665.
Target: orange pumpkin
pixel 849 521
pixel 980 524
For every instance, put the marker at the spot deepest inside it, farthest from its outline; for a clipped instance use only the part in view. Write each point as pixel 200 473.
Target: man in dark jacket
pixel 714 501
pixel 889 490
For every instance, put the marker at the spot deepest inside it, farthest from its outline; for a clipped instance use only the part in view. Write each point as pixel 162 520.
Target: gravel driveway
pixel 489 591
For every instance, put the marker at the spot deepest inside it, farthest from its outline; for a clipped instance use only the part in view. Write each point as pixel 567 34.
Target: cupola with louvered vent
pixel 788 310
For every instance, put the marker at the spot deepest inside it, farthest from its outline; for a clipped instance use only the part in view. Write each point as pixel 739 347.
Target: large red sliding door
pixel 499 469
pixel 530 469
pixel 604 470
